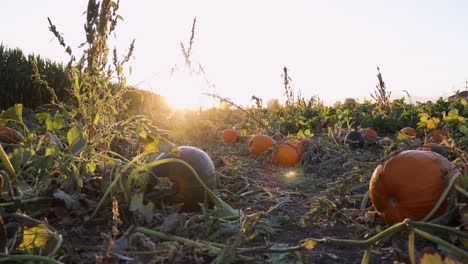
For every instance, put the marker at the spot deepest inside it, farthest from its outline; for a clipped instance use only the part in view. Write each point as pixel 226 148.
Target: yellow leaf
pixel 430 124
pixel 402 136
pixel 424 116
pixel 309 244
pixel 430 257
pixel 38 239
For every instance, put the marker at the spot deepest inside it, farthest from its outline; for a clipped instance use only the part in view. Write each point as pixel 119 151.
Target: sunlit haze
pixel 331 48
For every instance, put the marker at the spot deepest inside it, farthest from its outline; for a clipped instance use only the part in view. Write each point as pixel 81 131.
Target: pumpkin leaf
pixel 430 256
pixel 464 130
pixel 248 225
pixel 308 243
pixel 70 202
pixel 284 258
pixel 402 136
pixel 40 240
pixel 14 113
pixel 76 140
pixel 140 209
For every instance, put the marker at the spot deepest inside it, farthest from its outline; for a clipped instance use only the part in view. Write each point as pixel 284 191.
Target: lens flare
pixel 291 174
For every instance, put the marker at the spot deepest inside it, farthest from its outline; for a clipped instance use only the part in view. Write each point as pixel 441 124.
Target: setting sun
pixel 185 90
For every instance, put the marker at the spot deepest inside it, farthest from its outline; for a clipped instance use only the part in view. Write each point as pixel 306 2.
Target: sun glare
pixel 291 174
pixel 183 90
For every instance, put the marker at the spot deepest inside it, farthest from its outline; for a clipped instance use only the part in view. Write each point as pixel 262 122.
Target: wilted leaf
pixel 430 256
pixel 39 240
pixel 70 202
pixel 137 206
pixel 170 223
pixel 309 244
pixel 284 258
pixel 248 225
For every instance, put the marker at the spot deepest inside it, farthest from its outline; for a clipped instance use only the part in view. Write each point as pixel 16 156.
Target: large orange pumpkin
pixel 439 135
pixel 369 134
pixel 409 131
pixel 10 135
pixel 409 184
pixel 288 153
pixel 260 143
pixel 230 136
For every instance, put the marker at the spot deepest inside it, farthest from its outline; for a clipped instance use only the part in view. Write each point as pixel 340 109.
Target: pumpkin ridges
pixel 10 135
pixel 260 143
pixel 369 133
pixel 230 136
pixel 288 153
pixel 415 180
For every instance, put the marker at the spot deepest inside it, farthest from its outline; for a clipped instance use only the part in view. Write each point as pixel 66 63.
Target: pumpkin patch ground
pixel 93 170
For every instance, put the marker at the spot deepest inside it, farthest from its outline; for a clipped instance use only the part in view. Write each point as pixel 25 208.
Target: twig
pixel 229 101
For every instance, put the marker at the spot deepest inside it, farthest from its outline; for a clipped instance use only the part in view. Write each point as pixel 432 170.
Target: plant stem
pixel 27 258
pixel 460 252
pixel 150 232
pixel 441 228
pixel 32 200
pixel 442 197
pixel 7 165
pixel 460 189
pixel 114 183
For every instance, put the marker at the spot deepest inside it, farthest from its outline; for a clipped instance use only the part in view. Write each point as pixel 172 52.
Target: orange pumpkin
pixel 260 143
pixel 409 184
pixel 369 134
pixel 288 153
pixel 230 136
pixel 440 135
pixel 10 135
pixel 409 131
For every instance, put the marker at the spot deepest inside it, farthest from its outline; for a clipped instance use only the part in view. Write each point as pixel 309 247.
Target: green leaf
pixel 284 258
pixel 51 150
pixel 76 140
pixel 42 116
pixel 90 167
pixel 464 130
pixel 14 113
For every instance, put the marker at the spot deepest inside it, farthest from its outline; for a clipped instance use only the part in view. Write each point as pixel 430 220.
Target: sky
pixel 331 47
